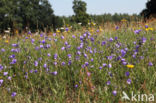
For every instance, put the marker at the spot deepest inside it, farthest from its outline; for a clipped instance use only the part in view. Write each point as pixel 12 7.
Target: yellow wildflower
pixel 148 28
pixel 6 41
pixel 100 29
pixel 91 30
pixel 16 32
pixel 130 66
pixel 58 31
pixel 123 20
pixel 93 23
pixel 151 29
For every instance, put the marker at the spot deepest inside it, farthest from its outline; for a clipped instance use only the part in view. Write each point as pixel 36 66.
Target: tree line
pixel 37 15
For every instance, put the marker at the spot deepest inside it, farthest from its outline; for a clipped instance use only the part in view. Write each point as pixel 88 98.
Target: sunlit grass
pixel 86 65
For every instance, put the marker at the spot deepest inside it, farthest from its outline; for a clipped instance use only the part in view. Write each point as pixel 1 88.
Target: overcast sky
pixel 64 7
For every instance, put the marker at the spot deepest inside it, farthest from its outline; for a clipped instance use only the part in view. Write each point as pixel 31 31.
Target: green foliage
pixel 79 8
pixel 9 14
pixel 19 14
pixel 38 15
pixel 150 9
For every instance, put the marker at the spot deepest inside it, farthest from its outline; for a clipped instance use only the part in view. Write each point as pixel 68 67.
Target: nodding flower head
pixel 1 67
pixel 1 81
pixel 150 64
pixel 13 61
pixel 36 63
pixel 55 56
pixel 54 73
pixel 13 94
pixel 114 92
pixel 129 81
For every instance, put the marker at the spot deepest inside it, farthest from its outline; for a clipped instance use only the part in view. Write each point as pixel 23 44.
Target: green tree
pixel 19 14
pixel 150 9
pixel 3 15
pixel 9 14
pixel 36 14
pixel 79 8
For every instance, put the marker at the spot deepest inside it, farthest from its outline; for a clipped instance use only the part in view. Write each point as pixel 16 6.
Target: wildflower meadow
pixel 92 64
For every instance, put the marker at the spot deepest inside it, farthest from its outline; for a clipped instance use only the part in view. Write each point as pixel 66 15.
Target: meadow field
pixel 94 64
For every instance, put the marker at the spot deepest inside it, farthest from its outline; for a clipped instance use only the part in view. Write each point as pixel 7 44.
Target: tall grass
pixel 84 66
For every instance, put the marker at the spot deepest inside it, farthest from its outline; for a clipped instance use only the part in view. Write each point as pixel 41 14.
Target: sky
pixel 64 7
